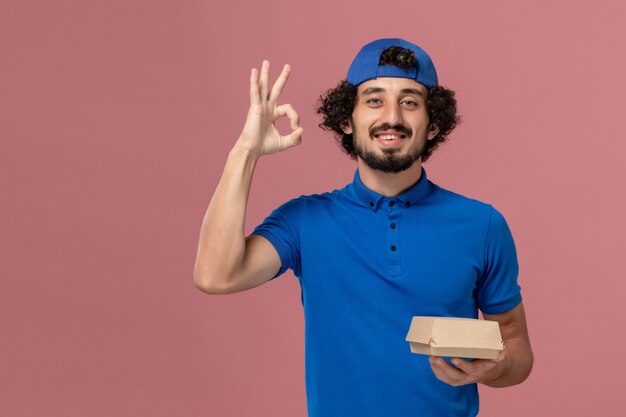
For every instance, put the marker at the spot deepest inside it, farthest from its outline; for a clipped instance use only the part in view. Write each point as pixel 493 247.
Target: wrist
pixel 244 152
pixel 499 372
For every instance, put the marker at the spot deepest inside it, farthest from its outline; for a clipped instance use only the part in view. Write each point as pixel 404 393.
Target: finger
pixel 294 138
pixel 263 80
pixel 440 375
pixel 477 370
pixel 278 86
pixel 255 98
pixel 290 112
pixel 469 367
pixel 446 372
pixel 434 365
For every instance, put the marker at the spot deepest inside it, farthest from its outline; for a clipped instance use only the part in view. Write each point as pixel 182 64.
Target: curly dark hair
pixel 399 57
pixel 337 104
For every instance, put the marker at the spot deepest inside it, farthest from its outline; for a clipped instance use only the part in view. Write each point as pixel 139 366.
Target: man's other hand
pixel 465 372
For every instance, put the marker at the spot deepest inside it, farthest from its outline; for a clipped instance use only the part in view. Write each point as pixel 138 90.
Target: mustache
pixel 386 126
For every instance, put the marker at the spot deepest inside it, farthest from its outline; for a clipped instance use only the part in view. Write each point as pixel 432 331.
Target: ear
pixel 346 126
pixel 433 130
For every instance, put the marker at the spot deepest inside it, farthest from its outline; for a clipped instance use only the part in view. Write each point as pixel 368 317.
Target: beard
pixel 389 162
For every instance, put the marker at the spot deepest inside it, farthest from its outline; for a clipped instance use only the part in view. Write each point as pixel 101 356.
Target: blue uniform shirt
pixel 367 264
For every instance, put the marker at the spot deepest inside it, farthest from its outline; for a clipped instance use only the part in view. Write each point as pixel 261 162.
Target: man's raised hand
pixel 260 135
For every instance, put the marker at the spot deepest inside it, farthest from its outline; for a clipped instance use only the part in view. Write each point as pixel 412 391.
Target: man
pixel 388 246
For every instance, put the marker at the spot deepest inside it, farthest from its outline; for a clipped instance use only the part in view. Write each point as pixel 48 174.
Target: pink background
pixel 115 121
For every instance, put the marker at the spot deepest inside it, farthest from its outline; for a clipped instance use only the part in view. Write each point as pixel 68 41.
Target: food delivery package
pixel 455 337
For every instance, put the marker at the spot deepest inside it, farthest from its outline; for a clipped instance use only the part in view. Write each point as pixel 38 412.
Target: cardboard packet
pixel 455 337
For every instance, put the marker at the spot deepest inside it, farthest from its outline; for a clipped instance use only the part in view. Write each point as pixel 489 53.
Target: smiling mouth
pixel 389 138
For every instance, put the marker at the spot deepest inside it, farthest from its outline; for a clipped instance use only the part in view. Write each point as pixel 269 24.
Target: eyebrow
pixel 374 90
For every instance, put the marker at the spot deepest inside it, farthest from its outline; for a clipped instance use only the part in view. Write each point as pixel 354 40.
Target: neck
pixel 387 183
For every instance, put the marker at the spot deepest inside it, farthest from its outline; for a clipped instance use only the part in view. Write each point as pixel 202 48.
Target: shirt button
pixel 392 225
pixel 371 204
pixel 393 248
pixel 391 204
pixel 407 204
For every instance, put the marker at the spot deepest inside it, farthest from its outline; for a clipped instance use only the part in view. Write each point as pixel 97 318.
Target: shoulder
pixel 482 214
pixel 458 201
pixel 324 198
pixel 313 207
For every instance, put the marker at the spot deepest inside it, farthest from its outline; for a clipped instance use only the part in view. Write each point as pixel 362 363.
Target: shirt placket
pixel 393 212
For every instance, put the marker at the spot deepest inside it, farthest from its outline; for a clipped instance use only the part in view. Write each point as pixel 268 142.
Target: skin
pixel 511 367
pixel 393 101
pixel 227 261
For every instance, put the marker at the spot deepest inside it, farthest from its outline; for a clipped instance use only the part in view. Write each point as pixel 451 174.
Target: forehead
pixel 392 85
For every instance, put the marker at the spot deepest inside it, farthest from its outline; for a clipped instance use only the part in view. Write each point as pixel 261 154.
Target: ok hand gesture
pixel 260 135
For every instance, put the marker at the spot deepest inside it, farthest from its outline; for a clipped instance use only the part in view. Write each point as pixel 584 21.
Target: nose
pixel 392 114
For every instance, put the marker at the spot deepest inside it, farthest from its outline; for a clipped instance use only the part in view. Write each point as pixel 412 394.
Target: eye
pixel 409 103
pixel 374 101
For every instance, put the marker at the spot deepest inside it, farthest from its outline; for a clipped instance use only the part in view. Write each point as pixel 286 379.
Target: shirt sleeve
pixel 282 229
pixel 497 289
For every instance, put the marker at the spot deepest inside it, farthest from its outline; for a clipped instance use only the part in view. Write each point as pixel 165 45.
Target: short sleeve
pixel 497 289
pixel 282 229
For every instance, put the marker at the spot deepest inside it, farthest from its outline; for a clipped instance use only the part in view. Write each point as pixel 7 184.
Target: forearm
pixel 512 366
pixel 226 261
pixel 221 246
pixel 516 366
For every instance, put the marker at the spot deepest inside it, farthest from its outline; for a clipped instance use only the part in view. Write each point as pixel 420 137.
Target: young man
pixel 388 246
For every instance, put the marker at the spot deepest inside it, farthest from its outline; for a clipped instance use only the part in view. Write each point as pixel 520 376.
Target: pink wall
pixel 115 121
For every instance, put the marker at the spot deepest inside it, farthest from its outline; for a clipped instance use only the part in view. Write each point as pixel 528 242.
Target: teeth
pixel 389 137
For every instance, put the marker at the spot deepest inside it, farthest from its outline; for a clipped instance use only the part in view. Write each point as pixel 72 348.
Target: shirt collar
pixel 408 198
